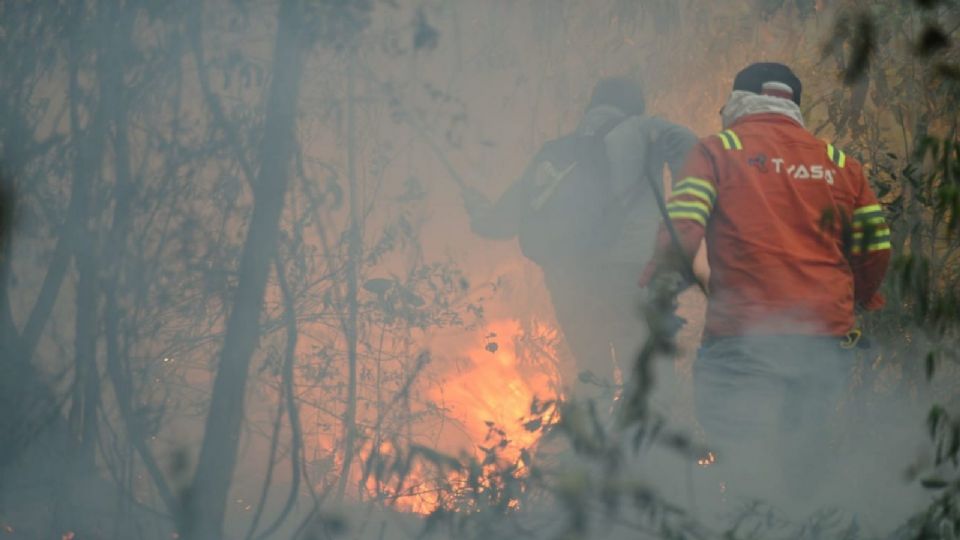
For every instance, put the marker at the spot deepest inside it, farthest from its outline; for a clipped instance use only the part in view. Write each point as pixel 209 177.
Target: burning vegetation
pixel 240 296
pixel 487 408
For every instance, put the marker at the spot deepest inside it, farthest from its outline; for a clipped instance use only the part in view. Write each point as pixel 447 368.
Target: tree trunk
pixel 207 498
pixel 88 165
pixel 354 247
pixel 87 379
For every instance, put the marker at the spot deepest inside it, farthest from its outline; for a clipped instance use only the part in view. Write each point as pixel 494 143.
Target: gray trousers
pixel 768 405
pixel 598 307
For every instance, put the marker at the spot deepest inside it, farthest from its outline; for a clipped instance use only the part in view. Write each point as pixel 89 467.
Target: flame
pixel 489 420
pixel 495 390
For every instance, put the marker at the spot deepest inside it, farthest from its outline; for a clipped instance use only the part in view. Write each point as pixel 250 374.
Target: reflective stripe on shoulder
pixel 730 140
pixel 836 155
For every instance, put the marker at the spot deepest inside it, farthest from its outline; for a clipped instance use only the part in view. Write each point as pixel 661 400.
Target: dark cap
pixel 769 78
pixel 620 92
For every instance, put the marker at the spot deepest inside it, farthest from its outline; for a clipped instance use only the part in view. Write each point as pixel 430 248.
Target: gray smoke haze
pixel 240 296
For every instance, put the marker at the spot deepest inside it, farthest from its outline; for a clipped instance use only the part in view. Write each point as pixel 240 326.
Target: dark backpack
pixel 570 196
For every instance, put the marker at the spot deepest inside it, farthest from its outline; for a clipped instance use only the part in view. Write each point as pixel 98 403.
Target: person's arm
pixel 640 146
pixel 672 143
pixel 499 220
pixel 870 252
pixel 689 208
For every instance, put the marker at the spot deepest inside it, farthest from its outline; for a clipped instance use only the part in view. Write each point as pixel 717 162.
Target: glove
pixel 663 319
pixel 874 304
pixel 671 283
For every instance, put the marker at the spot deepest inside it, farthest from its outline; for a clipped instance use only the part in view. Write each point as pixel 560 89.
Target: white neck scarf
pixel 742 103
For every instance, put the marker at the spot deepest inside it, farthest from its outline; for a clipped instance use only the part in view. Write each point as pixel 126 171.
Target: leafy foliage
pixel 899 55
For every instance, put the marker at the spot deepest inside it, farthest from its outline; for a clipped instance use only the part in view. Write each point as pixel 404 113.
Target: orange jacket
pixel 795 236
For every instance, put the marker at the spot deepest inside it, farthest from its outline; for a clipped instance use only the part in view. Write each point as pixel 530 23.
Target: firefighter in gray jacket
pixel 586 213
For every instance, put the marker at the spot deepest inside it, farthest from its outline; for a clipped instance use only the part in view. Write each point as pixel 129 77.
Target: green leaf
pixel 413 299
pixel 954 442
pixel 378 285
pixel 936 414
pixel 934 483
pixel 435 457
pixel 863 47
pixel 926 4
pixel 425 36
pixel 533 425
pixel 931 41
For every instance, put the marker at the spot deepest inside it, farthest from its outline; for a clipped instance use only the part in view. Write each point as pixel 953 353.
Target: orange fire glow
pixel 485 392
pixel 497 387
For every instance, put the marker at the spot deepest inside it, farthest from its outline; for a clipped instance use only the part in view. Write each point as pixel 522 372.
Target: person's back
pixel 555 203
pixel 785 217
pixel 592 284
pixel 777 262
pixel 796 242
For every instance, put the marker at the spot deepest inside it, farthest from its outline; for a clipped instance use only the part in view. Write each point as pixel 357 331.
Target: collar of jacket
pixel 743 104
pixel 596 117
pixel 768 118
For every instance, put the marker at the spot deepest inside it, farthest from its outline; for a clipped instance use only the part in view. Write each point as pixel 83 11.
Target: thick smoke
pixel 243 297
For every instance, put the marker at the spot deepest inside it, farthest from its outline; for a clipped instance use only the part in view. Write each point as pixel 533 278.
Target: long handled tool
pixel 655 179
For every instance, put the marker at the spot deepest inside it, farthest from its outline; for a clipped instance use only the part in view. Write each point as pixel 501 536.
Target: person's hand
pixel 662 315
pixel 670 283
pixel 656 278
pixel 874 304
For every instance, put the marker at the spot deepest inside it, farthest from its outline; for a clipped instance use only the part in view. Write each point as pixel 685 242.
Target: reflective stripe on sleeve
pixel 876 240
pixel 868 215
pixel 872 220
pixel 878 235
pixel 696 187
pixel 868 209
pixel 699 194
pixel 871 247
pixel 691 210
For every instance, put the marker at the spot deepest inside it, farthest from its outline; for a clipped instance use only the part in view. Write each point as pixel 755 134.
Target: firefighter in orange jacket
pixel 796 243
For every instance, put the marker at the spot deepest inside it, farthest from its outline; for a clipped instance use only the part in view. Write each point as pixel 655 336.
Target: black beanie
pixel 620 92
pixel 755 76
